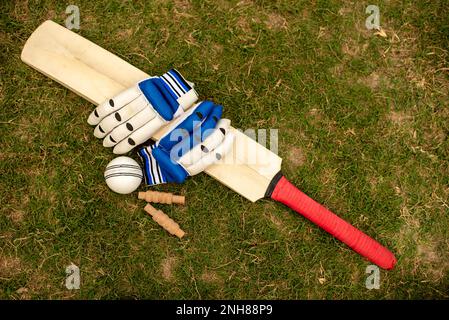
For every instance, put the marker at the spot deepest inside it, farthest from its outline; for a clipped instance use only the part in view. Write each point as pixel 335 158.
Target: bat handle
pixel 283 191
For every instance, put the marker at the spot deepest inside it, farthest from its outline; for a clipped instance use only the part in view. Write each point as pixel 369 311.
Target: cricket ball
pixel 123 175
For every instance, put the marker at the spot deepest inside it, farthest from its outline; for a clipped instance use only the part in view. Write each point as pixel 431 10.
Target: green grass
pixel 363 128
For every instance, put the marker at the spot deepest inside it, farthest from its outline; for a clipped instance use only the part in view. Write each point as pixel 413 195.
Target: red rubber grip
pixel 288 194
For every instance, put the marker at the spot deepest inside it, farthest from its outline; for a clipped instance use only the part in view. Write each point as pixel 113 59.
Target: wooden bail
pixel 161 197
pixel 164 221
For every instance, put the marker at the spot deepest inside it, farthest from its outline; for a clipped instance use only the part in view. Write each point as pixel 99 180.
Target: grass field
pixel 363 126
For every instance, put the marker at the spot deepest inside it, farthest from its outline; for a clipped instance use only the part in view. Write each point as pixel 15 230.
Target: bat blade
pixel 97 75
pixel 77 63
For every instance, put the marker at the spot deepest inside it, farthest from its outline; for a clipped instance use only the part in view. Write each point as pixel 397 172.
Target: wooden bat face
pixel 97 75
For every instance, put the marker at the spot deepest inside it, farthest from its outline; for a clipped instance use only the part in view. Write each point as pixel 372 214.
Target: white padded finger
pixel 139 136
pixel 125 129
pixel 212 156
pixel 113 105
pixel 120 116
pixel 210 143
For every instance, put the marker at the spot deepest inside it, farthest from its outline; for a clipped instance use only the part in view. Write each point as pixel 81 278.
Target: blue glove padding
pixel 194 142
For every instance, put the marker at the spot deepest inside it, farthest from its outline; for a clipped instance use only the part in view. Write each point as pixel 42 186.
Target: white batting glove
pixel 133 116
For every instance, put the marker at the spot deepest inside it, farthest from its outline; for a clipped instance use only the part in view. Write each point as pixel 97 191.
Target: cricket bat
pixel 249 169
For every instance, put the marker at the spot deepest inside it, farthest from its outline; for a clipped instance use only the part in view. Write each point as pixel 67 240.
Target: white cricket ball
pixel 123 175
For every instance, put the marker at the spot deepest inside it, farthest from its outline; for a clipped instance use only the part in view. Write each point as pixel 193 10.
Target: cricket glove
pixel 196 140
pixel 133 116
